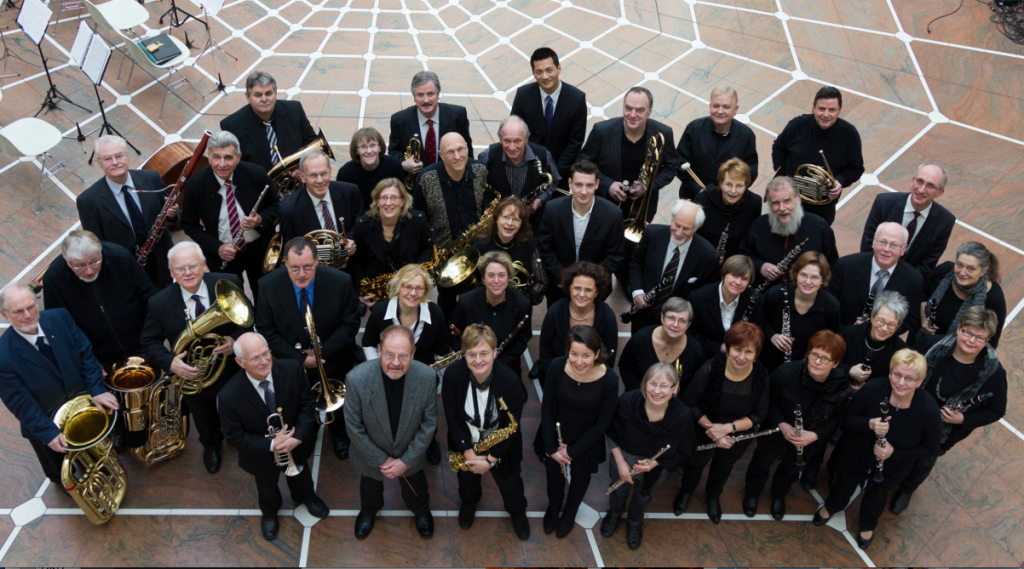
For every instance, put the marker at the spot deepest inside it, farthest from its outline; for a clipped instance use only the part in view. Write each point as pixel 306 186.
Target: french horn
pixel 813 182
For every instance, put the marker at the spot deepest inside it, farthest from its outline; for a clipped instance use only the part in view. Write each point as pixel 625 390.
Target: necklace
pixel 387 225
pixel 497 242
pixel 584 318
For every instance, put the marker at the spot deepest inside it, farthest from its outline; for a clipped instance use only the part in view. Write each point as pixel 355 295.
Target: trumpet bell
pixel 272 258
pixel 461 267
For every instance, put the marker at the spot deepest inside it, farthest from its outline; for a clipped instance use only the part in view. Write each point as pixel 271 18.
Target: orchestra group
pixel 747 328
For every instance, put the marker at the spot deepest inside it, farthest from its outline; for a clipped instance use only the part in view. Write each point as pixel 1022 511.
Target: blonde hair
pixel 910 358
pixel 374 212
pixel 499 257
pixel 725 90
pixel 406 274
pixel 476 334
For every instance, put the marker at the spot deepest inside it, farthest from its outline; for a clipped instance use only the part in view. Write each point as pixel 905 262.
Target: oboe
pixel 632 471
pixel 722 240
pixel 932 307
pixel 739 438
pixel 786 327
pixel 879 477
pixel 240 238
pixel 958 407
pixel 649 297
pixel 782 266
pixel 868 306
pixel 798 426
pixel 558 429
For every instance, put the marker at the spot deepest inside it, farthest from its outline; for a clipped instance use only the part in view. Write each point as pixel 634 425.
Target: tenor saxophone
pixel 482 448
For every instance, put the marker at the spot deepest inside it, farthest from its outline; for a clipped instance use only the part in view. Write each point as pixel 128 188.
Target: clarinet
pixel 958 407
pixel 649 296
pixel 798 425
pixel 879 477
pixel 722 240
pixel 932 307
pixel 240 238
pixel 512 335
pixel 782 266
pixel 786 317
pixel 558 429
pixel 632 471
pixel 739 438
pixel 868 306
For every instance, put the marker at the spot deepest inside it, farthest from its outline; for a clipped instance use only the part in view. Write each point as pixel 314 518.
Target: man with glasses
pixel 123 205
pixel 514 165
pixel 859 278
pixel 194 291
pixel 328 293
pixel 391 412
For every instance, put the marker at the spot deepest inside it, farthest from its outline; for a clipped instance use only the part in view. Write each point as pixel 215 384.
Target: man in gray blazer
pixel 391 415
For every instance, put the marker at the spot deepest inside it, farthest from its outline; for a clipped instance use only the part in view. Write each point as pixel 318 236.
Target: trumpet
pixel 632 471
pixel 739 438
pixel 412 151
pixel 798 426
pixel 558 429
pixel 879 476
pixel 283 459
pixel 330 393
pixel 692 174
pixel 649 297
pixel 239 239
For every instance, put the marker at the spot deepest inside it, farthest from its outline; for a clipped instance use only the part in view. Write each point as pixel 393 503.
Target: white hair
pixel 110 138
pixel 514 118
pixel 681 203
pixel 223 139
pixel 6 293
pixel 80 244
pixel 237 346
pixel 186 245
pixel 892 224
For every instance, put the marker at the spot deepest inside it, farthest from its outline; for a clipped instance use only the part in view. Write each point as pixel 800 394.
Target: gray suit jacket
pixel 368 421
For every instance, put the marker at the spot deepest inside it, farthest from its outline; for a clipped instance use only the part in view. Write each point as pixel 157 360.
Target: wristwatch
pixel 733 428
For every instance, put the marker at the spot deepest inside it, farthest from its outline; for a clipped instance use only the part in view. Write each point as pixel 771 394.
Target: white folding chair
pixel 171 67
pixel 32 137
pixel 118 15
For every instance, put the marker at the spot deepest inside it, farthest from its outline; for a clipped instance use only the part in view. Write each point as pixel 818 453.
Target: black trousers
pixel 786 474
pixel 919 473
pixel 510 484
pixel 249 261
pixel 203 408
pixel 269 494
pixel 622 273
pixel 722 461
pixel 643 488
pixel 814 456
pixel 580 481
pixel 446 301
pixel 414 492
pixel 872 504
pixel 826 212
pixel 50 461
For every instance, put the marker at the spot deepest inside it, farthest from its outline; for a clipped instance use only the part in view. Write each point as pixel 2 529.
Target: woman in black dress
pixel 584 283
pixel 870 345
pixel 580 393
pixel 972 280
pixel 369 163
pixel 820 390
pixel 728 204
pixel 729 395
pixel 913 431
pixel 667 343
pixel 510 231
pixel 646 421
pixel 390 236
pixel 808 305
pixel 472 393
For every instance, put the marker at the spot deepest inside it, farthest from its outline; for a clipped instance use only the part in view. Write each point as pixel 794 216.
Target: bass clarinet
pixel 798 426
pixel 739 438
pixel 240 238
pixel 878 476
pixel 632 471
pixel 649 296
pixel 782 266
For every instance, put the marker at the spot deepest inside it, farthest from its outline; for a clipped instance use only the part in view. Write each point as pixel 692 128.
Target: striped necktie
pixel 275 156
pixel 232 206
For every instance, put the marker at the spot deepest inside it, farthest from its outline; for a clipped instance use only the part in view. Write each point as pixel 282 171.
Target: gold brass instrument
pixel 330 393
pixel 152 405
pixel 413 151
pixel 377 286
pixel 91 471
pixel 281 173
pixel 813 182
pixel 634 212
pixel 457 262
pixel 447 360
pixel 330 246
pixel 272 258
pixel 615 485
pixel 692 174
pixel 283 459
pixel 458 460
pixel 520 277
pixel 199 342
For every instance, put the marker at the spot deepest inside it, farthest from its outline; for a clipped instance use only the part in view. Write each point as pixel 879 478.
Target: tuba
pixel 457 460
pixel 813 182
pixel 634 212
pixel 272 258
pixel 198 340
pixel 281 173
pixel 91 471
pixel 330 393
pixel 412 151
pixel 151 407
pixel 456 264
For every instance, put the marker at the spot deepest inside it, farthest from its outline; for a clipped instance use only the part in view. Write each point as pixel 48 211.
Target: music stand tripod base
pixel 53 94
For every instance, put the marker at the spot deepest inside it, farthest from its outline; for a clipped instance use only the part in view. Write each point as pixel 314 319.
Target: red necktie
pixel 430 146
pixel 328 220
pixel 232 205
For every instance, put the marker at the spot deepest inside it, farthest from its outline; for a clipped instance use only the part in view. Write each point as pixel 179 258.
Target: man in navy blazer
pixel 427 120
pixel 45 360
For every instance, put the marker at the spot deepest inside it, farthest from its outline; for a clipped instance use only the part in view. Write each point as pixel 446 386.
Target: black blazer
pixel 706 322
pixel 568 126
pixel 932 236
pixel 165 320
pixel 434 338
pixel 472 308
pixel 243 417
pixel 700 267
pixel 603 243
pixel 504 384
pixel 290 125
pixel 556 327
pixel 298 212
pixel 411 244
pixel 202 205
pixel 100 214
pixel 699 147
pixel 405 125
pixel 335 314
pixel 849 282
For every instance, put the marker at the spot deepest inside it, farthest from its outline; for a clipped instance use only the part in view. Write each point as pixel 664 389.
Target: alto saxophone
pixel 458 460
pixel 722 240
pixel 412 151
pixel 798 426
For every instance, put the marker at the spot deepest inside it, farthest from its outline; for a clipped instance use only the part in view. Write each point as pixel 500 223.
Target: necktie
pixel 135 217
pixel 328 218
pixel 199 308
pixel 549 111
pixel 47 351
pixel 303 302
pixel 268 395
pixel 668 273
pixel 232 205
pixel 877 288
pixel 430 145
pixel 275 156
pixel 912 227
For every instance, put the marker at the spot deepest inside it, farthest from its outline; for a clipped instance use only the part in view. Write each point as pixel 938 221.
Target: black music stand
pixel 10 54
pixel 175 14
pixel 33 18
pixel 93 61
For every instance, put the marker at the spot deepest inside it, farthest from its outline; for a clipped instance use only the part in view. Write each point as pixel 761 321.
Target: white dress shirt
pixel 204 297
pixel 31 338
pixel 908 215
pixel 481 401
pixel 579 225
pixel 392 314
pixel 423 129
pixel 224 223
pixel 320 209
pixel 683 249
pixel 728 310
pixel 119 196
pixel 554 97
pixel 259 391
pixel 875 268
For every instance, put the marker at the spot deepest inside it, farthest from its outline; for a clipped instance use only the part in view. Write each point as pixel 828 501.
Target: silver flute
pixel 615 485
pixel 558 429
pixel 798 425
pixel 739 438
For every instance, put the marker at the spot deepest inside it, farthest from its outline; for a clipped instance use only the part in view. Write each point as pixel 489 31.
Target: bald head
pixel 928 184
pixel 253 355
pixel 454 154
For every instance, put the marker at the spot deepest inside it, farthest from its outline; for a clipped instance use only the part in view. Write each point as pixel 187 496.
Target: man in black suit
pixel 265 386
pixel 124 205
pixel 862 276
pixel 208 220
pixel 428 121
pixel 928 223
pixel 514 164
pixel 265 120
pixel 580 227
pixel 708 142
pixel 554 111
pixel 675 253
pixel 194 291
pixel 281 318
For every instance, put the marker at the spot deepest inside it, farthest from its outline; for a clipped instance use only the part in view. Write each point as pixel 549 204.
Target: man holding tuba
pixel 45 360
pixel 194 292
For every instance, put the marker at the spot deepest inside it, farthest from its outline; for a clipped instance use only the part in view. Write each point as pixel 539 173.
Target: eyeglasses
pixel 389 199
pixel 478 355
pixel 662 386
pixel 188 268
pixel 391 357
pixel 507 219
pixel 586 291
pixel 259 357
pixel 365 147
pixel 885 325
pixel 120 157
pixel 968 268
pixel 808 278
pixel 669 319
pixel 303 269
pixel 819 358
pixel 894 246
pixel 900 377
pixel 91 265
pixel 410 288
pixel 982 338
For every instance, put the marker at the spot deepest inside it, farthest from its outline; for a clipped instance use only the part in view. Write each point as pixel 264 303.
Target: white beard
pixel 785 229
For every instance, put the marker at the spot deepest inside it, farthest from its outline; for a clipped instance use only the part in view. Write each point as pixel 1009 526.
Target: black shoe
pixel 269 527
pixel 900 502
pixel 425 524
pixel 434 453
pixel 680 504
pixel 778 509
pixel 467 514
pixel 211 458
pixel 565 524
pixel 521 526
pixel 864 543
pixel 610 523
pixel 364 523
pixel 551 518
pixel 807 484
pixel 750 506
pixel 818 520
pixel 317 508
pixel 714 510
pixel 634 534
pixel 341 448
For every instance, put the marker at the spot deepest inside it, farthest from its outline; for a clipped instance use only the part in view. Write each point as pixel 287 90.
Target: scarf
pixel 829 396
pixel 711 399
pixel 714 195
pixel 939 354
pixel 975 297
pixel 636 434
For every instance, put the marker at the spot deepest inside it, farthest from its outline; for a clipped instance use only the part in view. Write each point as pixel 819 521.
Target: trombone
pixel 330 393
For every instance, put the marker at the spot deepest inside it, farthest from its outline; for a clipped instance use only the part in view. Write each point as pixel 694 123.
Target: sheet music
pixel 96 59
pixel 81 44
pixel 33 18
pixel 212 6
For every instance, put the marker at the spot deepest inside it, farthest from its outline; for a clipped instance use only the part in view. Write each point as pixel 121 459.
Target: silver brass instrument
pixel 782 266
pixel 330 393
pixel 558 430
pixel 739 438
pixel 958 407
pixel 634 212
pixel 537 192
pixel 787 356
pixel 615 485
pixel 798 426
pixel 283 459
pixel 813 182
pixel 151 405
pixel 878 476
pixel 456 264
pixel 692 174
pixel 723 239
pixel 91 470
pixel 330 246
pixel 199 342
pixel 281 173
pixel 239 239
pixel 649 296
pixel 413 151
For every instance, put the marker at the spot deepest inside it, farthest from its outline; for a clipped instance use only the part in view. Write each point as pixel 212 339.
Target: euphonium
pixel 272 258
pixel 198 341
pixel 813 182
pixel 411 151
pixel 634 212
pixel 456 264
pixel 281 173
pixel 91 471
pixel 330 393
pixel 458 460
pixel 151 405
